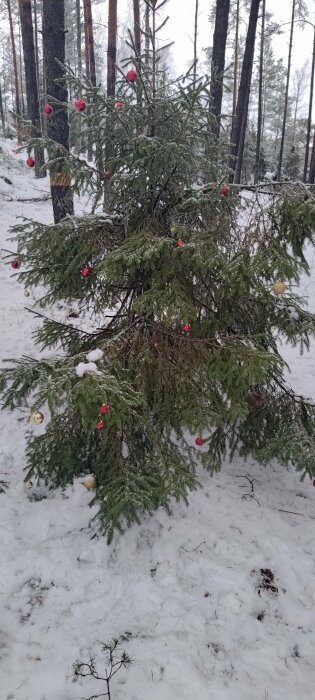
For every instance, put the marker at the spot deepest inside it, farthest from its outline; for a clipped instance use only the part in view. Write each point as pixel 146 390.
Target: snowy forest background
pixel 283 68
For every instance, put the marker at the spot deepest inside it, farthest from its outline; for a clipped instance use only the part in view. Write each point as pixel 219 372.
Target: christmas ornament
pixel 37 417
pixel 100 425
pixel 131 76
pixel 80 105
pixel 89 483
pixel 28 484
pixel 199 441
pixel 279 287
pixel 119 104
pixel 104 409
pixel 15 264
pixel 47 109
pixel 86 271
pixel 179 243
pixel 30 162
pixel 186 328
pixel 225 190
pixel 107 174
pixel 94 355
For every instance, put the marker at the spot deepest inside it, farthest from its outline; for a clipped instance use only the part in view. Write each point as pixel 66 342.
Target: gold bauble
pixel 279 287
pixel 89 483
pixel 37 417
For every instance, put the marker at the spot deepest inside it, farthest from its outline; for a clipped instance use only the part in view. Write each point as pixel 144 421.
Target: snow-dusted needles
pixel 89 367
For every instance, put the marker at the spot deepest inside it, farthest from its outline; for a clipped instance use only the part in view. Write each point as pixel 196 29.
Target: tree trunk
pixel 240 154
pixel 31 79
pixel 312 165
pixel 147 33
pixel 310 111
pixel 260 93
pixel 236 50
pixel 286 99
pixel 79 35
pixel 196 41
pixel 240 118
pixel 2 112
pixel 23 110
pixel 57 124
pixel 89 42
pixel 218 63
pixel 137 27
pixel 36 41
pixel 15 70
pixel 112 48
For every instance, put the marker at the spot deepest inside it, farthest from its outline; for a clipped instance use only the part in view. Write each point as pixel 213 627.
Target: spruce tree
pixel 182 289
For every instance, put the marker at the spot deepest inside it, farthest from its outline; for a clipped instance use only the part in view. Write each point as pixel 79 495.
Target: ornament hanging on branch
pixel 179 243
pixel 100 425
pixel 15 264
pixel 186 328
pixel 37 417
pixel 199 441
pixel 279 287
pixel 119 104
pixel 107 174
pixel 89 483
pixel 104 409
pixel 132 76
pixel 225 190
pixel 47 109
pixel 30 162
pixel 80 105
pixel 86 271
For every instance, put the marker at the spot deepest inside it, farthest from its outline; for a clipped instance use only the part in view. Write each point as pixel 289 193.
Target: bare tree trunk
pixel 147 33
pixel 310 111
pixel 260 93
pixel 240 118
pixel 236 49
pixel 2 111
pixel 111 48
pixel 312 165
pixel 79 35
pixel 15 69
pixel 57 124
pixel 196 41
pixel 137 27
pixel 89 42
pixel 36 41
pixel 218 63
pixel 286 99
pixel 31 79
pixel 240 153
pixel 23 110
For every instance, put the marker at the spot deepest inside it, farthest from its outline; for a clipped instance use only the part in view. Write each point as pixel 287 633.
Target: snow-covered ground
pixel 203 621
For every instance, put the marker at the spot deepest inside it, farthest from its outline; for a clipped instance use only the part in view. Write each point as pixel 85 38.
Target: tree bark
pixel 2 111
pixel 15 70
pixel 112 48
pixel 218 63
pixel 236 51
pixel 89 42
pixel 196 41
pixel 310 111
pixel 57 124
pixel 260 93
pixel 239 121
pixel 137 27
pixel 31 79
pixel 79 35
pixel 312 165
pixel 286 99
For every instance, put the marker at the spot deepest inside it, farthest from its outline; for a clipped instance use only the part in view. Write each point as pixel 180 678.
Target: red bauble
pixel 86 271
pixel 119 104
pixel 100 425
pixel 80 105
pixel 199 441
pixel 47 109
pixel 30 162
pixel 131 76
pixel 107 174
pixel 104 409
pixel 225 190
pixel 179 243
pixel 186 328
pixel 15 264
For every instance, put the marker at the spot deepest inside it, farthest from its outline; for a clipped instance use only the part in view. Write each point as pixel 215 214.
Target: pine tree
pixel 173 359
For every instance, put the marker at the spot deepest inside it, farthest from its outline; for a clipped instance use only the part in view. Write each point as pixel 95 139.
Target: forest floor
pixel 218 599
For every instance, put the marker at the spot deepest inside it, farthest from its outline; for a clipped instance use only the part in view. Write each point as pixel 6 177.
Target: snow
pixel 188 587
